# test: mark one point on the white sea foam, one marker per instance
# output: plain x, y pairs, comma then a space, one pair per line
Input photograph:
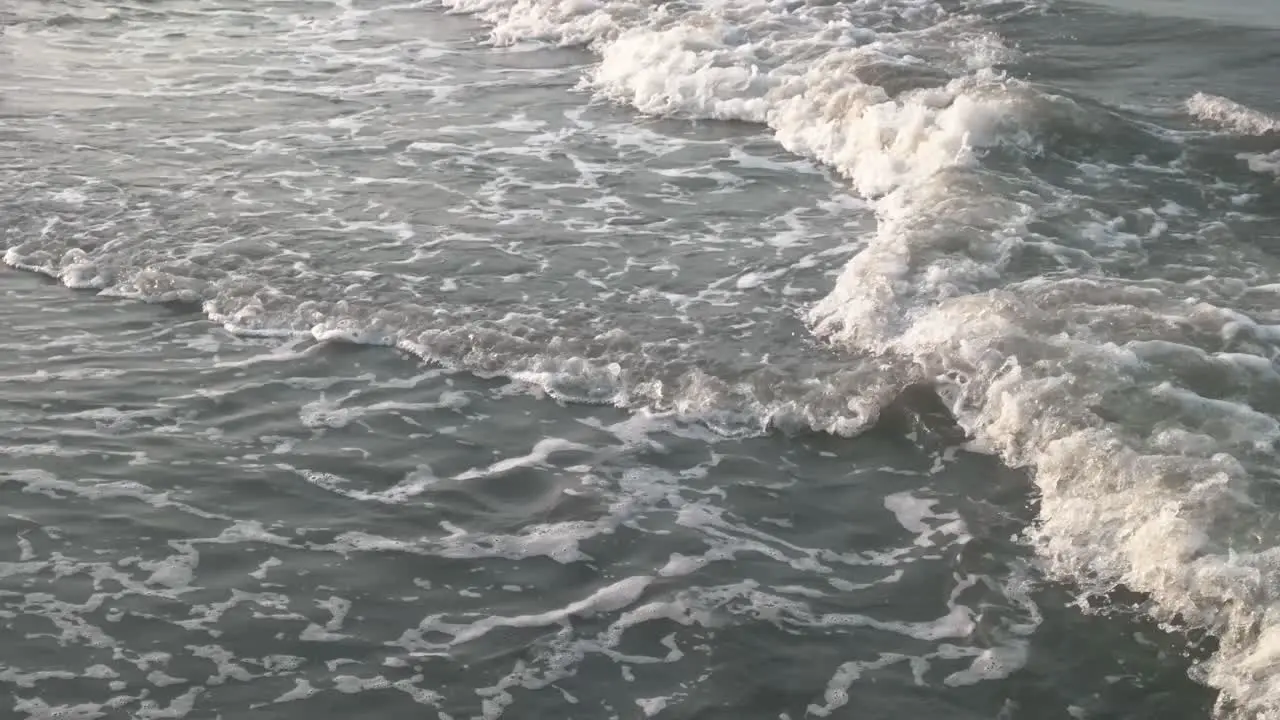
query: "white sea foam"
1264, 162
1144, 478
1231, 115
1023, 363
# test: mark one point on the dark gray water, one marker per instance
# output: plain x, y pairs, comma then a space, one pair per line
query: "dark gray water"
704, 360
202, 524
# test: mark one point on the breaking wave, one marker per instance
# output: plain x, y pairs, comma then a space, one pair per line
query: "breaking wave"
1120, 349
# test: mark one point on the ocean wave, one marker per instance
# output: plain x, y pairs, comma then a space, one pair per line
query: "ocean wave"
1144, 481
1138, 393
1231, 115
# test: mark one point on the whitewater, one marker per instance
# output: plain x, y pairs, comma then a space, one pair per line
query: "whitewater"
1151, 492
1083, 273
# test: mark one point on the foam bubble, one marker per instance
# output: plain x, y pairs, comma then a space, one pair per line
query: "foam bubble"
1264, 162
1023, 365
1231, 115
1144, 473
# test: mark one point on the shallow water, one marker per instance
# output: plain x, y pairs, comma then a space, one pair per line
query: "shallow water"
752, 359
204, 524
